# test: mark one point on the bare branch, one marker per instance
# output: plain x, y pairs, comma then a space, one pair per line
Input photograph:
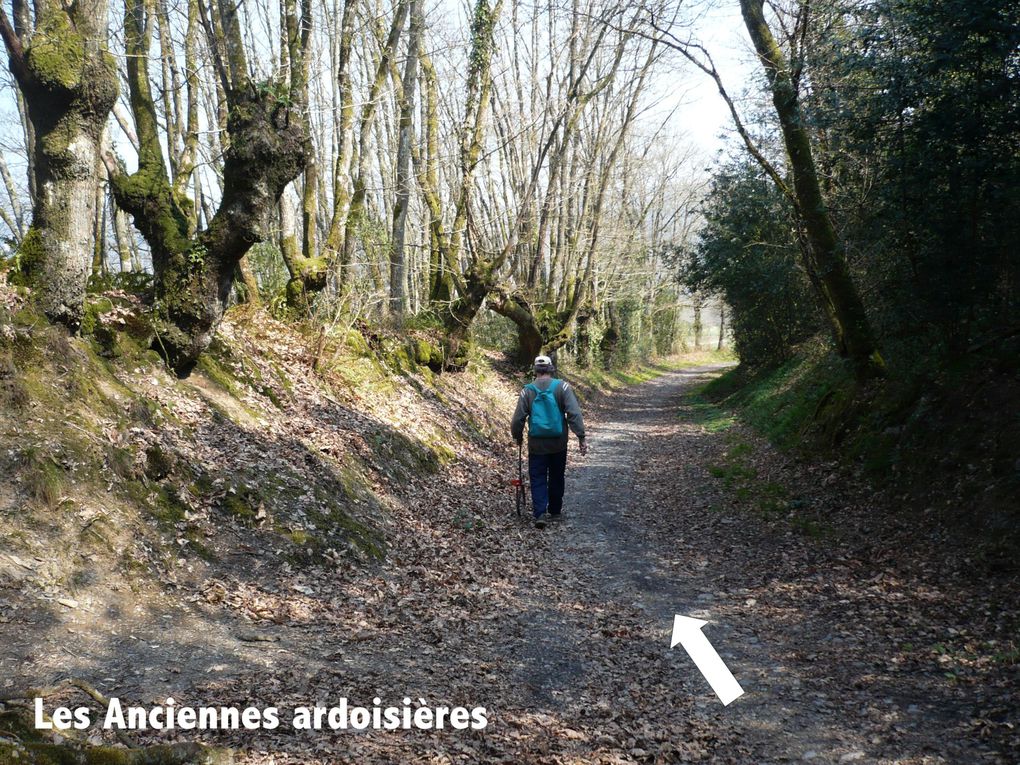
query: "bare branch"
691, 50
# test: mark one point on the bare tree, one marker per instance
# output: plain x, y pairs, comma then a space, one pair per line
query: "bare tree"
398, 263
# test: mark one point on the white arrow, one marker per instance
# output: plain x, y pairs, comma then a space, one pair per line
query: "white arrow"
687, 632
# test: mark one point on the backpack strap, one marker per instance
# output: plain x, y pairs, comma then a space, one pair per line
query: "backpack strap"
556, 388
561, 399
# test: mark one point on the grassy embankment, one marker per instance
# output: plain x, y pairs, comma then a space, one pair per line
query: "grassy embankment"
943, 446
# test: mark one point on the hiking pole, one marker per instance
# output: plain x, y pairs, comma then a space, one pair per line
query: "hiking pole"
519, 481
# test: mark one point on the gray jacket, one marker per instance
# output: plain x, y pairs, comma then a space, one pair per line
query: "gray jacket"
567, 402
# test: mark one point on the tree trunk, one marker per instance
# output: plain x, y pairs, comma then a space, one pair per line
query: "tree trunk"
611, 337
266, 153
440, 270
122, 236
17, 222
194, 273
308, 269
69, 84
307, 273
356, 209
479, 278
515, 307
582, 353
310, 207
398, 267
722, 325
698, 326
99, 231
853, 331
478, 281
249, 284
345, 132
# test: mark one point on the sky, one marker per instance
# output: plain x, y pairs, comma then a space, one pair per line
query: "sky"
703, 117
722, 32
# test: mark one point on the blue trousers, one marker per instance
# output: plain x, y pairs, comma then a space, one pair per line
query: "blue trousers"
546, 472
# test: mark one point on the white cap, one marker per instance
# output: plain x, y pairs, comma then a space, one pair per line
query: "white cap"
543, 364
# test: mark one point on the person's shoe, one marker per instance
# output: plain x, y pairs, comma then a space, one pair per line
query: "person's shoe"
555, 517
540, 521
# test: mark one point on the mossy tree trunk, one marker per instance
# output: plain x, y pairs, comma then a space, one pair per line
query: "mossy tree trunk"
306, 277
68, 81
480, 276
248, 287
307, 268
441, 286
299, 82
195, 270
514, 306
611, 336
458, 315
844, 307
583, 337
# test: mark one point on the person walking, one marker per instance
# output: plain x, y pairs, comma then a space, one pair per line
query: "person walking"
549, 406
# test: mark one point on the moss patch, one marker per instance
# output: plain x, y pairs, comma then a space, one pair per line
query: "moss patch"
242, 502
28, 261
713, 419
215, 371
770, 499
43, 479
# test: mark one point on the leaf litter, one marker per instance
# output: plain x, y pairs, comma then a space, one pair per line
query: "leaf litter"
852, 647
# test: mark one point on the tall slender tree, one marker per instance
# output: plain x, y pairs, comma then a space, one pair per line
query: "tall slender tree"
843, 304
398, 258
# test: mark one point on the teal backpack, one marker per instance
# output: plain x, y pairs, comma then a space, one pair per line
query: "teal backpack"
546, 418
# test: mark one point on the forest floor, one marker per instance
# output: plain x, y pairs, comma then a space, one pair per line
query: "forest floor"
852, 639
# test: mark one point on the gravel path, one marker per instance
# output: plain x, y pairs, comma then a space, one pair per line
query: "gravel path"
826, 643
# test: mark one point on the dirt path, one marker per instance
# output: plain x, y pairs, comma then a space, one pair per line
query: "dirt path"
850, 646
830, 652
